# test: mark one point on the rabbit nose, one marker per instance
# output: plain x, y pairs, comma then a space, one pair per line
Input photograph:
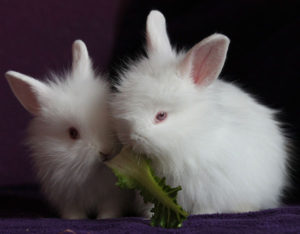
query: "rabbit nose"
105, 156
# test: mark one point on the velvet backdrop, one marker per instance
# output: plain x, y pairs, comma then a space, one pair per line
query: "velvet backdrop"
37, 35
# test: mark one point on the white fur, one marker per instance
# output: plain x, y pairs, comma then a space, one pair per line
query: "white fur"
71, 172
225, 149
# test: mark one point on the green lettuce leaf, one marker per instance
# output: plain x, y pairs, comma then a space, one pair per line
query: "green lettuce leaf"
134, 171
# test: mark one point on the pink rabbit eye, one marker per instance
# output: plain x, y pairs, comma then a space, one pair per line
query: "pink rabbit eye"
160, 116
73, 132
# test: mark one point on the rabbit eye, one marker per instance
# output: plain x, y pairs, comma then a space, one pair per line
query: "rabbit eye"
73, 132
160, 116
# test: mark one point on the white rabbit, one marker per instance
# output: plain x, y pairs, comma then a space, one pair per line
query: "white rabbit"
225, 149
70, 135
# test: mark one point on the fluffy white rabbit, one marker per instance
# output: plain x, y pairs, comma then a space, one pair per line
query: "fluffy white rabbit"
225, 149
70, 136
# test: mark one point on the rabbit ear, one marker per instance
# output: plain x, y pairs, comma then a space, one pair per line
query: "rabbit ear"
205, 60
27, 90
81, 63
156, 34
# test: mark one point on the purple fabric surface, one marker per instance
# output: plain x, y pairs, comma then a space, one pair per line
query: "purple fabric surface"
284, 220
23, 210
36, 36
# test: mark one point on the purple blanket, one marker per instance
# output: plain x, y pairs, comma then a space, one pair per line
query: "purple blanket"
284, 220
23, 210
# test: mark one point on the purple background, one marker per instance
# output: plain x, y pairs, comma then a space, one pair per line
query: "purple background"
36, 36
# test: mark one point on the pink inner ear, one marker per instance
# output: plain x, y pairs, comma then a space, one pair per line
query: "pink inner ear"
25, 95
205, 60
203, 66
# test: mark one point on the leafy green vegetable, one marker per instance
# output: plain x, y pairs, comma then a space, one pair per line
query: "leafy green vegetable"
134, 172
